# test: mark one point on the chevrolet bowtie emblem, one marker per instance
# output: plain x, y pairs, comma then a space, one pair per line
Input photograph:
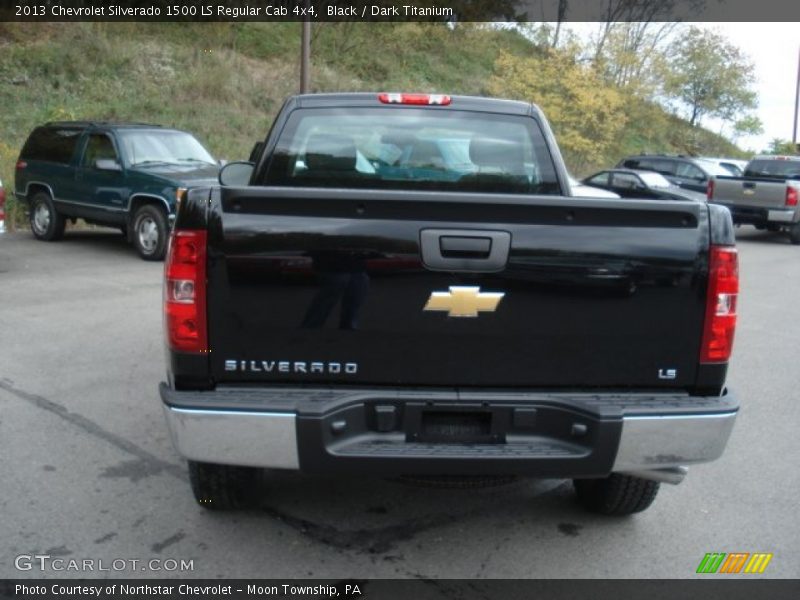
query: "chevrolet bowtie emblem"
464, 301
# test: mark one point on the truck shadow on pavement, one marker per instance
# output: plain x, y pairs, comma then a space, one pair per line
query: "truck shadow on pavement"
373, 516
752, 235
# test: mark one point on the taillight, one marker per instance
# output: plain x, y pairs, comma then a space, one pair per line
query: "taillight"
185, 292
21, 164
710, 189
791, 196
419, 99
723, 290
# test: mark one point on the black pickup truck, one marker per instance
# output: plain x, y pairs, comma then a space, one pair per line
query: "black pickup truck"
401, 285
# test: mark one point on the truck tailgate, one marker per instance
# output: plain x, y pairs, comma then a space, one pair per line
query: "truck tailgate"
331, 286
762, 193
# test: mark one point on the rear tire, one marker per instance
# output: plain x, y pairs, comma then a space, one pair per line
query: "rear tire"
46, 223
616, 494
150, 232
222, 487
794, 234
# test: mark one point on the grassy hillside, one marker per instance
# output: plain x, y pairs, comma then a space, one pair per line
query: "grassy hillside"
226, 81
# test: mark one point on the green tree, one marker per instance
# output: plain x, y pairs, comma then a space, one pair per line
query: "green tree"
747, 125
779, 146
587, 116
710, 76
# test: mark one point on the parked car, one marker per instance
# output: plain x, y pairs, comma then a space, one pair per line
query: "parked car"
2, 207
684, 171
735, 166
767, 196
125, 175
512, 329
579, 190
629, 183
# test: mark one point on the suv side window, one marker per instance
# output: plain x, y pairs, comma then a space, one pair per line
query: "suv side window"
98, 147
51, 144
689, 171
659, 165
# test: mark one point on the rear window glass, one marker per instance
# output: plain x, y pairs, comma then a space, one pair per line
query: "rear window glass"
778, 169
51, 144
408, 148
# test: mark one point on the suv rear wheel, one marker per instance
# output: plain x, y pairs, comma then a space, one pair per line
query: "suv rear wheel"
221, 487
150, 232
46, 223
616, 494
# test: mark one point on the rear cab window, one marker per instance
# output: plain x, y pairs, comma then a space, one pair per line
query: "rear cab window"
51, 144
413, 148
776, 169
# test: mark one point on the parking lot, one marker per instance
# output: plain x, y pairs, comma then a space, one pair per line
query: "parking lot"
89, 472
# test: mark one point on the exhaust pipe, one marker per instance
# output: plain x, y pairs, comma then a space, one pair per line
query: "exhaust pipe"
672, 475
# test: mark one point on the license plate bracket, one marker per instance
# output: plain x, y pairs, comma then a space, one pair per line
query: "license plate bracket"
448, 426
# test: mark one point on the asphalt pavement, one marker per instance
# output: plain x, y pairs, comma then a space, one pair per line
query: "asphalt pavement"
88, 471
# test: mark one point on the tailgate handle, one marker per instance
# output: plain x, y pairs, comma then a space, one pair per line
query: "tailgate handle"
464, 250
748, 185
465, 247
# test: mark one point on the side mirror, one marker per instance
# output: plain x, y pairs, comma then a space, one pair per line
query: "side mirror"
107, 164
236, 173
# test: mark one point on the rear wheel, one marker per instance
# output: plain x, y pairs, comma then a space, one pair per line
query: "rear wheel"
150, 232
222, 487
616, 494
46, 223
794, 234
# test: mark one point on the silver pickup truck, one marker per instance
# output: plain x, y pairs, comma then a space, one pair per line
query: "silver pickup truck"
767, 195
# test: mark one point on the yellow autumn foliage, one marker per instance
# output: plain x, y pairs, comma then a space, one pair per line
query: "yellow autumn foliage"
587, 116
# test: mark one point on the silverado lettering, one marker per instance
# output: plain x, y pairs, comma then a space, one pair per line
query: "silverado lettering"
268, 366
493, 323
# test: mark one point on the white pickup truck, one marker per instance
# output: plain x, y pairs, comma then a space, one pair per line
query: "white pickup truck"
766, 197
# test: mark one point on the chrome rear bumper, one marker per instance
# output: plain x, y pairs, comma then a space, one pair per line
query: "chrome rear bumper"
248, 439
650, 445
671, 441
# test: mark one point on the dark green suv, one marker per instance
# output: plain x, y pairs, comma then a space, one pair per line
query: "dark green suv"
124, 175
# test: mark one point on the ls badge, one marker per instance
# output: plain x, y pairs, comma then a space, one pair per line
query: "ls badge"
464, 301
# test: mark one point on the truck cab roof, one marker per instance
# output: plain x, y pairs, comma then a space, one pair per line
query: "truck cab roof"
471, 103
